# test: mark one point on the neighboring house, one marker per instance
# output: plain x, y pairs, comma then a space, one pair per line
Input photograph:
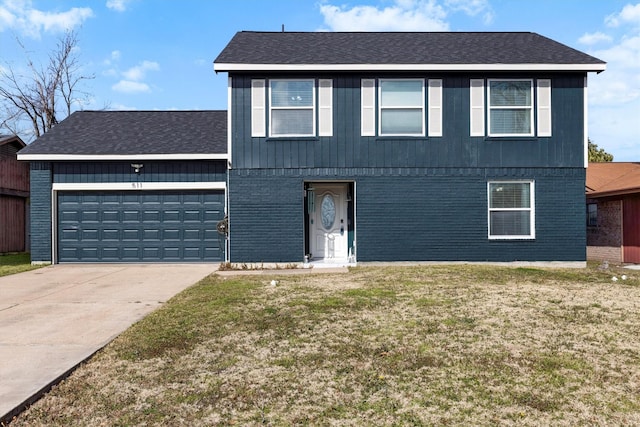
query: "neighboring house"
129, 186
613, 212
14, 196
406, 147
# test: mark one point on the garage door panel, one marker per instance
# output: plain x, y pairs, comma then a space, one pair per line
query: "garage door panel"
192, 235
131, 216
90, 234
110, 254
111, 216
131, 235
110, 235
155, 226
170, 235
151, 235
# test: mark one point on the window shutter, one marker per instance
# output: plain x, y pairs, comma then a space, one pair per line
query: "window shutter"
325, 107
368, 115
477, 107
258, 110
435, 107
544, 107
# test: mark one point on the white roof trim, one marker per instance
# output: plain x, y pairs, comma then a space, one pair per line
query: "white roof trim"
127, 157
122, 186
409, 67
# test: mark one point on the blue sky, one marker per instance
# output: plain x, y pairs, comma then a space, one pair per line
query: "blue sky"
158, 54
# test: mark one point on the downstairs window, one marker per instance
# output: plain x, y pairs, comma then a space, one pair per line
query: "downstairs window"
511, 210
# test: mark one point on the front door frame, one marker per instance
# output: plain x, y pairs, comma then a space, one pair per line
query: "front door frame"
350, 226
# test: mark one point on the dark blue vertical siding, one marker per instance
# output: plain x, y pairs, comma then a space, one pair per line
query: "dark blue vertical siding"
152, 171
454, 149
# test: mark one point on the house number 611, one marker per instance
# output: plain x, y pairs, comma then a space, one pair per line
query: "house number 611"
136, 185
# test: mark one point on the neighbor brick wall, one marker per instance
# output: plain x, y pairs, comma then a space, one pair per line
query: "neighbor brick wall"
604, 242
612, 254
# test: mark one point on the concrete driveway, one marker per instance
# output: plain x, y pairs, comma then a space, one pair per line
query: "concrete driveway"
54, 318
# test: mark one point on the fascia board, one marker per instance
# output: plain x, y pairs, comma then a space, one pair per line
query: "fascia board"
409, 67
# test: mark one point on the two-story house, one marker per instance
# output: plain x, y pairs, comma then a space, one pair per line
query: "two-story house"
405, 147
335, 148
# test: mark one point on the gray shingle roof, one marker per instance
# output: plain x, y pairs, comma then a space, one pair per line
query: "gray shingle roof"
446, 48
135, 133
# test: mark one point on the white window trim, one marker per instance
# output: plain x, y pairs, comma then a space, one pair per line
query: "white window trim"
530, 108
397, 107
312, 108
531, 209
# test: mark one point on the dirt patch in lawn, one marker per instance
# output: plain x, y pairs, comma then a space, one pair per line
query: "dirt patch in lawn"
431, 345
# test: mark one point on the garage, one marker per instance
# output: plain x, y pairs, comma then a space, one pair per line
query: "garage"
139, 226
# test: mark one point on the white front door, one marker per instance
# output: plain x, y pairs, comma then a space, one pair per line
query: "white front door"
328, 223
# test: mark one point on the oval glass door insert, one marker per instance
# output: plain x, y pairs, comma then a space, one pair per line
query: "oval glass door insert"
328, 211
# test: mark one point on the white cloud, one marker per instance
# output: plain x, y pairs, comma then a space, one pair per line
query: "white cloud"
629, 14
402, 15
614, 96
594, 38
620, 83
139, 71
131, 81
128, 86
118, 5
20, 15
472, 8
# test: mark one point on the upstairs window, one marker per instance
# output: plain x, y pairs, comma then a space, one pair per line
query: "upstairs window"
402, 107
510, 107
511, 210
292, 108
398, 107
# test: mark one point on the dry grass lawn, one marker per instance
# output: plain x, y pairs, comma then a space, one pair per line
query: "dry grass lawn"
428, 345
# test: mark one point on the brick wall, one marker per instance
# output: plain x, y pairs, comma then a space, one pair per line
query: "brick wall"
612, 254
408, 215
40, 212
604, 241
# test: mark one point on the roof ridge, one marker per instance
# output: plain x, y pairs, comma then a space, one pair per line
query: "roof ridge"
390, 32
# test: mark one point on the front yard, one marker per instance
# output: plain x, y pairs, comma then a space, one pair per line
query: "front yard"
431, 345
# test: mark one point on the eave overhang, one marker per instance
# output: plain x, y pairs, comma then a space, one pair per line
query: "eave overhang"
225, 67
613, 193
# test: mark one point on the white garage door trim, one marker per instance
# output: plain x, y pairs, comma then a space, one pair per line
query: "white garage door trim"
139, 186
80, 186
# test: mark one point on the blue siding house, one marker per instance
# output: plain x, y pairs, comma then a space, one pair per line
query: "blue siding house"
336, 148
359, 147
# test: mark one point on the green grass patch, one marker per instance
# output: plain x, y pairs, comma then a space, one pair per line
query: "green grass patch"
16, 263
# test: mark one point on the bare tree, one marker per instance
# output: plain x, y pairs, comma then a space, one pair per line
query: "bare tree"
34, 96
